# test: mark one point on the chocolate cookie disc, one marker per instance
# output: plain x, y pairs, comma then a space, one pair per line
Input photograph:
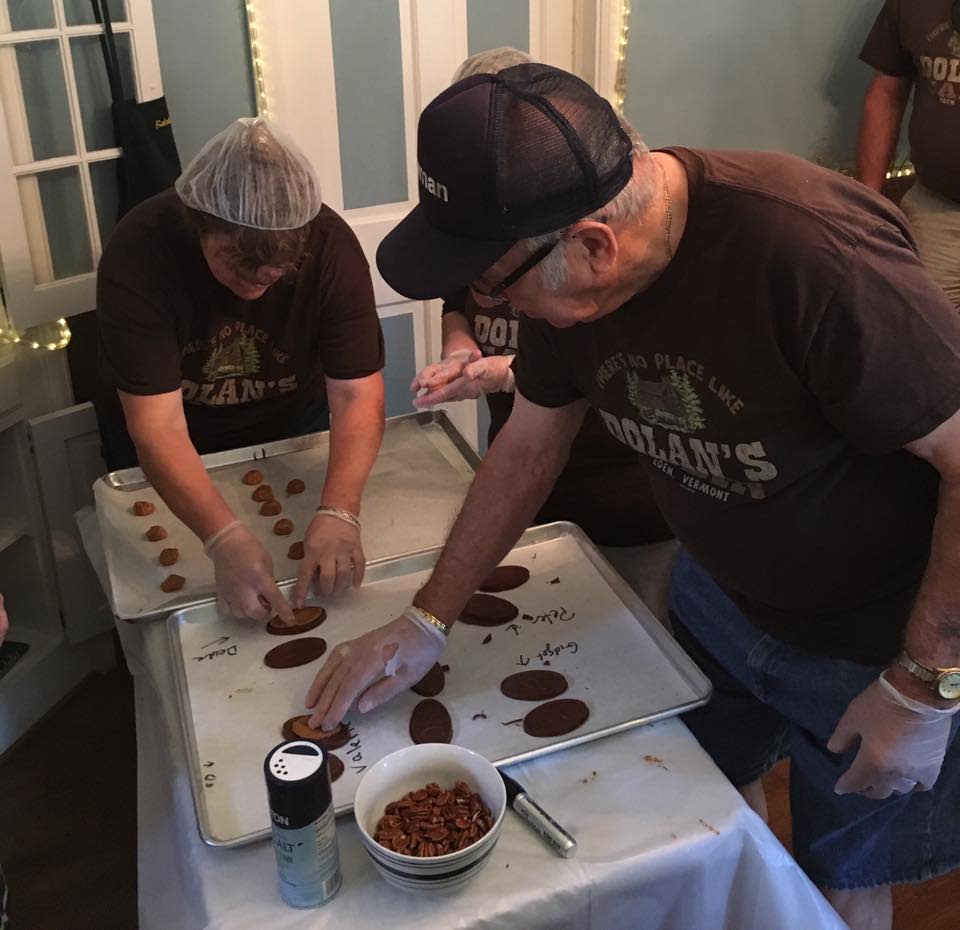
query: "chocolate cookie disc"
505, 578
334, 767
172, 583
430, 723
432, 683
283, 527
304, 619
169, 557
296, 486
156, 533
487, 610
295, 551
252, 477
270, 508
298, 728
534, 685
555, 718
263, 493
295, 653
142, 508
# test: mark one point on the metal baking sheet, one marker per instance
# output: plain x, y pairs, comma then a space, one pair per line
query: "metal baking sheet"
578, 617
415, 490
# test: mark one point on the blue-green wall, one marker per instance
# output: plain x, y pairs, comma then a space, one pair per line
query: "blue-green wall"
205, 64
776, 75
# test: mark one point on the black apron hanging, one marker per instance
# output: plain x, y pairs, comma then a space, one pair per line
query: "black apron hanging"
149, 163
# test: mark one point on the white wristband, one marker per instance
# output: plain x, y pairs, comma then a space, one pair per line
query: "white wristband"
418, 616
211, 542
918, 707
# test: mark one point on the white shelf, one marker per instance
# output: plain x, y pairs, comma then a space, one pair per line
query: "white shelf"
10, 531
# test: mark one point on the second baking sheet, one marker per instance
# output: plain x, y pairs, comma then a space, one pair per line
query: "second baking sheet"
577, 617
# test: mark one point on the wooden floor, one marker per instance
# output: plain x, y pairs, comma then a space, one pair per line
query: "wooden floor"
68, 822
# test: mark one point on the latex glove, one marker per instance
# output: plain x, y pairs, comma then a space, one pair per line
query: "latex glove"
4, 621
443, 372
244, 573
480, 376
373, 667
902, 742
333, 558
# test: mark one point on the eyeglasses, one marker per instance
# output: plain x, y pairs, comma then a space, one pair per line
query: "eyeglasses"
496, 293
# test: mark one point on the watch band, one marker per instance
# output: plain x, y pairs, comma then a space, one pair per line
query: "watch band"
927, 675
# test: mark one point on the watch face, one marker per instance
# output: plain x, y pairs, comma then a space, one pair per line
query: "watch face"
948, 686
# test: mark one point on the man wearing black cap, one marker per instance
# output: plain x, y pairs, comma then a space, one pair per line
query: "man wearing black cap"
761, 332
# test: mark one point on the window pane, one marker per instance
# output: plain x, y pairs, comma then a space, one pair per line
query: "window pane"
55, 216
93, 89
366, 54
38, 116
80, 12
492, 23
31, 14
106, 195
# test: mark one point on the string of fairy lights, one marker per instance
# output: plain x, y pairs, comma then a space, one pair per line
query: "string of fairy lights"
256, 59
620, 77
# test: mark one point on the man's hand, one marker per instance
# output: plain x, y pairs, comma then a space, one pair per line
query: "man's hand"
4, 621
244, 573
375, 667
902, 742
448, 369
478, 377
333, 558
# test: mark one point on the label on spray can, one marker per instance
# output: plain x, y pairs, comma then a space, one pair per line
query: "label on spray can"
303, 824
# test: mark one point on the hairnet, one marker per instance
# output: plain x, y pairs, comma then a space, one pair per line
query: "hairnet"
491, 61
252, 174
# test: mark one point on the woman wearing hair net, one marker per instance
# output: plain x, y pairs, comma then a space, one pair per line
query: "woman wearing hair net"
237, 309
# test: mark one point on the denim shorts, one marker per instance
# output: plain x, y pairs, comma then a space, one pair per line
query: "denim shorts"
773, 701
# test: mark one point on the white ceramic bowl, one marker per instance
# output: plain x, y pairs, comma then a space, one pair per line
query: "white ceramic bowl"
411, 769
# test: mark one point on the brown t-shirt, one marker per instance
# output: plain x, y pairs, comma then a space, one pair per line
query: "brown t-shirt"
770, 378
250, 370
603, 488
915, 38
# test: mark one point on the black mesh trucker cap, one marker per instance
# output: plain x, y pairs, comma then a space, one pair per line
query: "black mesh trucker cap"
502, 157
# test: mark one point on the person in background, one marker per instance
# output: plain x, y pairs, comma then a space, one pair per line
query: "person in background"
603, 488
235, 310
914, 45
763, 333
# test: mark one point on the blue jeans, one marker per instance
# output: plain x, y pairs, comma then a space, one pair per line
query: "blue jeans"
773, 701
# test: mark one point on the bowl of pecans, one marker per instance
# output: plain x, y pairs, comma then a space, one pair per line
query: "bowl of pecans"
430, 815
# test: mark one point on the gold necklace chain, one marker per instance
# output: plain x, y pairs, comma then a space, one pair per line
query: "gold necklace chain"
666, 199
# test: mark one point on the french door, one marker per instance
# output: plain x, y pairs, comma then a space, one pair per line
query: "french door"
348, 79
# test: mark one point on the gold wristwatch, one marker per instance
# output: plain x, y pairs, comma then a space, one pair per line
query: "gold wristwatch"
944, 682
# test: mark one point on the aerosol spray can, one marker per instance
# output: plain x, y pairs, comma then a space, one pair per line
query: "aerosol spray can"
301, 816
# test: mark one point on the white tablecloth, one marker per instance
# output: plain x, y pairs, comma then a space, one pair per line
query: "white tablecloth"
665, 843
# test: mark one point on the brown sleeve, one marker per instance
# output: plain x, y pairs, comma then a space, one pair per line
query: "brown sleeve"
884, 362
138, 351
351, 341
542, 375
883, 49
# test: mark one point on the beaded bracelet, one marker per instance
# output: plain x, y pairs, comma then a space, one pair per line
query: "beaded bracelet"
340, 514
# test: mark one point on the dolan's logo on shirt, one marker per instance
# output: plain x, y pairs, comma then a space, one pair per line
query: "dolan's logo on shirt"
231, 358
670, 402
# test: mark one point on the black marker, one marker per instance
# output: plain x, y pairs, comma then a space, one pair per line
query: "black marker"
538, 818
